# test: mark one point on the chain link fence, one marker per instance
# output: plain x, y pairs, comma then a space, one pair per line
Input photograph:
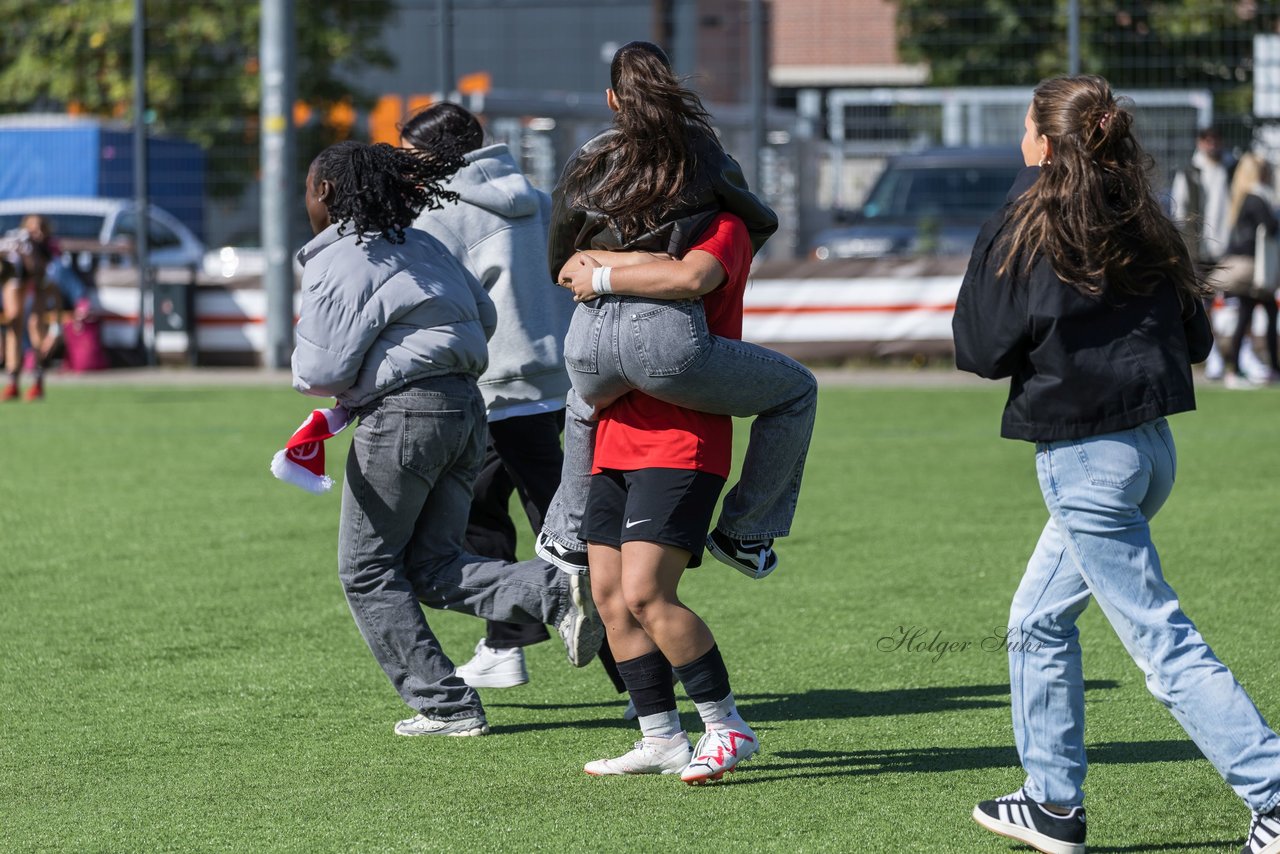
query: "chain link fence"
852, 83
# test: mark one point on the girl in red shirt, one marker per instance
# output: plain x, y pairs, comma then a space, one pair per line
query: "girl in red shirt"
656, 480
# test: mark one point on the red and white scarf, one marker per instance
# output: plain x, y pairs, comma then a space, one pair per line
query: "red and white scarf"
302, 460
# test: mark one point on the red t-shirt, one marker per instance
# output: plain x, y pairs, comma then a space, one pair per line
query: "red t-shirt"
639, 432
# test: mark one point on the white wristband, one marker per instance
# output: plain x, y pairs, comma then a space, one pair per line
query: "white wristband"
600, 280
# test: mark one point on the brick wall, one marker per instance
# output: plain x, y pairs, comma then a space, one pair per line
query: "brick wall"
834, 32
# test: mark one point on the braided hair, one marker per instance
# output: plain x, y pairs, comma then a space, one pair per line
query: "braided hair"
380, 190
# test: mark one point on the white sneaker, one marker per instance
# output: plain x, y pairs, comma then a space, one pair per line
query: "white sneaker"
1254, 369
649, 756
1237, 382
718, 752
1214, 365
427, 725
494, 668
580, 627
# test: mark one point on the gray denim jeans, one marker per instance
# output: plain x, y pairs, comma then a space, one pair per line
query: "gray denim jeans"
664, 349
405, 500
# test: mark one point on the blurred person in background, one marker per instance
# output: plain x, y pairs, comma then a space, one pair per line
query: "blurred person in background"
1201, 190
1083, 292
498, 229
1252, 206
30, 307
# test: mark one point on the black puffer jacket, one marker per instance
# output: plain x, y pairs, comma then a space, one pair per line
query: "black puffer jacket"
721, 187
1080, 366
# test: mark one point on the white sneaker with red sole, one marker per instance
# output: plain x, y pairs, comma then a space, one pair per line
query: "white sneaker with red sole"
719, 752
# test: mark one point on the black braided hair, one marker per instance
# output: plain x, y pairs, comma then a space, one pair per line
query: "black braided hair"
380, 190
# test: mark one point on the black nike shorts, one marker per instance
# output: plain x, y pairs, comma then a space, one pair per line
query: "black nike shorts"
672, 507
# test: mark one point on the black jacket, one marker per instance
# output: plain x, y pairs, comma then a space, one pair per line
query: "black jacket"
1254, 211
1080, 366
721, 187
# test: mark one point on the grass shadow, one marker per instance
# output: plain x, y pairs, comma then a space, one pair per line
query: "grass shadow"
810, 764
836, 703
840, 703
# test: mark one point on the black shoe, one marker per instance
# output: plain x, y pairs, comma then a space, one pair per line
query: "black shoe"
573, 562
1018, 817
1264, 834
753, 558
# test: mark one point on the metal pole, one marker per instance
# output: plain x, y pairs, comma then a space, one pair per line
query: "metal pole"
445, 47
278, 195
1073, 37
757, 93
140, 244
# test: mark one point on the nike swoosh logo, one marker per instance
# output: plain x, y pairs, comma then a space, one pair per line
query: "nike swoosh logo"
637, 522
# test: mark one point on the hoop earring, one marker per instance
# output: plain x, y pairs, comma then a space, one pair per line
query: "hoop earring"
1044, 161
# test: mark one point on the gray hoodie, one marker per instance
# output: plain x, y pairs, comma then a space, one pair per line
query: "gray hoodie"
499, 231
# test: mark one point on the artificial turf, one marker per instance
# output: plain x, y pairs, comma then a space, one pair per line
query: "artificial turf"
179, 672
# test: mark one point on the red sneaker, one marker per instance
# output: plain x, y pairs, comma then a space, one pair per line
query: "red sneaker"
10, 392
36, 392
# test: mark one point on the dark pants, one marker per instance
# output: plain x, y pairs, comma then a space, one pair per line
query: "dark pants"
523, 455
1244, 322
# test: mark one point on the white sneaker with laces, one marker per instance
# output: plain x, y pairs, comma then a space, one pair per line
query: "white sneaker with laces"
720, 751
494, 668
649, 756
427, 725
580, 627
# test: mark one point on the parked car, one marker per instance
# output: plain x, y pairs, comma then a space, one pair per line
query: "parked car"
110, 221
926, 203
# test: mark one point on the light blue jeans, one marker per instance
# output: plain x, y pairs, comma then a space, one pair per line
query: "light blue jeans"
1101, 493
664, 349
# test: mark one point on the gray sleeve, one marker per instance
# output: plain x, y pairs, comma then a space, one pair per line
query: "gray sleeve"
332, 340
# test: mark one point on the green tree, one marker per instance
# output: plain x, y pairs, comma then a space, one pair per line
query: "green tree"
202, 66
1198, 44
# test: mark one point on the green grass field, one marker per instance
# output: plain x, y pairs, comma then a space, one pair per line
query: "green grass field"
179, 671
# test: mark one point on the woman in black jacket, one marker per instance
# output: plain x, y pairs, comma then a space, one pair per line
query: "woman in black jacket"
1081, 291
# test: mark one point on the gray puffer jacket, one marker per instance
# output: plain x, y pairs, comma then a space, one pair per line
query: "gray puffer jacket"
499, 229
377, 315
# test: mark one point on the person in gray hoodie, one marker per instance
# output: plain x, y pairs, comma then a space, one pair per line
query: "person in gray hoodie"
395, 328
498, 230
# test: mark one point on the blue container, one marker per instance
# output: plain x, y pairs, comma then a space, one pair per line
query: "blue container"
65, 156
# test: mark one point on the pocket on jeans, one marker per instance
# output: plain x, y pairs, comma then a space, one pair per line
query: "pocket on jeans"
670, 338
432, 439
582, 342
1110, 462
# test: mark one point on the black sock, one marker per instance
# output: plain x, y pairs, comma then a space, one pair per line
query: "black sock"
648, 680
705, 679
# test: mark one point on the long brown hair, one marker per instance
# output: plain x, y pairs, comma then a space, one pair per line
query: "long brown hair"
1091, 213
1251, 170
641, 171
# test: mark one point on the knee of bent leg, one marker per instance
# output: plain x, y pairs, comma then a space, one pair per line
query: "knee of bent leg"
643, 601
